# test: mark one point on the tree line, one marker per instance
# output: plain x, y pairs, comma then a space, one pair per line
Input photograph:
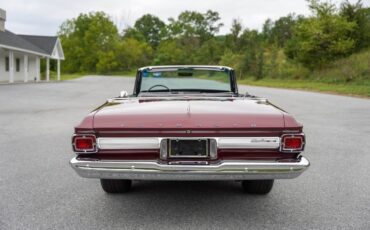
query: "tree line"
291, 45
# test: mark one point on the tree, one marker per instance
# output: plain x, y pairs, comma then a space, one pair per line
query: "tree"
319, 39
361, 16
321, 9
282, 30
251, 44
152, 29
107, 62
267, 30
131, 54
236, 28
232, 40
260, 64
195, 24
210, 52
86, 39
170, 52
233, 60
131, 32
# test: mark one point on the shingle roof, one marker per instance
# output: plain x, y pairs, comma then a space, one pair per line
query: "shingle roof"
7, 38
46, 43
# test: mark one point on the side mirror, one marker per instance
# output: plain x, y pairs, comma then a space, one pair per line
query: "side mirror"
123, 93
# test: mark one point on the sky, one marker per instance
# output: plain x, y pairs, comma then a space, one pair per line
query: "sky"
43, 17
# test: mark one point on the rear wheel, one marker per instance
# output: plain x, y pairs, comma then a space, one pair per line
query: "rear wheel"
115, 186
257, 186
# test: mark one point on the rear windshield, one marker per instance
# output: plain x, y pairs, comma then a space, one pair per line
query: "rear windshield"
185, 80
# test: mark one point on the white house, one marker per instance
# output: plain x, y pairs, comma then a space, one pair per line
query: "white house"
20, 54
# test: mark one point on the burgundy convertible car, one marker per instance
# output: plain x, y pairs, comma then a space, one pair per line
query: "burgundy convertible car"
188, 123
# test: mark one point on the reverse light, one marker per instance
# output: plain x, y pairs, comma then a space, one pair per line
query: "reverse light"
84, 143
292, 143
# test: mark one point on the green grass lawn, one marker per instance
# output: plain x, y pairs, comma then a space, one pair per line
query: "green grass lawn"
71, 76
63, 76
351, 89
131, 73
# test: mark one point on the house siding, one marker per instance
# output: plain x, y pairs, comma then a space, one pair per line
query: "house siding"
18, 75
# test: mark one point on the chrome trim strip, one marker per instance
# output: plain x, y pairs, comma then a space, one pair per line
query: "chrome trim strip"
140, 132
225, 170
231, 131
177, 67
221, 142
129, 143
248, 142
192, 131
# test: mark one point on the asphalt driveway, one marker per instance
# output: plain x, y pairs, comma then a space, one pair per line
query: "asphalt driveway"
39, 190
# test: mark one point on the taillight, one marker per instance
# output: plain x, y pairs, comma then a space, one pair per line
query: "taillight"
292, 143
84, 143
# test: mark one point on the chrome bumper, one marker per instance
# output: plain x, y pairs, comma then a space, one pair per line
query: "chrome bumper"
225, 170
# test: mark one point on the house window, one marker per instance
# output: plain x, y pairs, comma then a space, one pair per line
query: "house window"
7, 64
17, 64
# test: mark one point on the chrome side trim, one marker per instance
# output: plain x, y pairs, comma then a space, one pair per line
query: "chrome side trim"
225, 170
184, 132
221, 142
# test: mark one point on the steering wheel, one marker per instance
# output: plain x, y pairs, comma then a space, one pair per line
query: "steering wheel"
159, 86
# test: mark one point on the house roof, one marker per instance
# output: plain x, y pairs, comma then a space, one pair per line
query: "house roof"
11, 40
46, 43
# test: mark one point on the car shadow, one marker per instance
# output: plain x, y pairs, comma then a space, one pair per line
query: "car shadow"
176, 203
187, 187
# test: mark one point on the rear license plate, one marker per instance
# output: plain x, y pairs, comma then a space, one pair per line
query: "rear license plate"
188, 148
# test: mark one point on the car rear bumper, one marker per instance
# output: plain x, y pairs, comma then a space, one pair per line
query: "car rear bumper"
225, 170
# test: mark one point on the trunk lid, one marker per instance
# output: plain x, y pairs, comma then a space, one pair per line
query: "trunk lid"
234, 113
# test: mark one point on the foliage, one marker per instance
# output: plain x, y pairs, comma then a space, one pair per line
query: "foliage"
148, 28
88, 40
349, 75
232, 40
195, 24
280, 31
170, 53
320, 47
361, 17
322, 38
132, 53
210, 52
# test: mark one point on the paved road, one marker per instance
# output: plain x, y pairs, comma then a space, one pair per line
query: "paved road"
39, 190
